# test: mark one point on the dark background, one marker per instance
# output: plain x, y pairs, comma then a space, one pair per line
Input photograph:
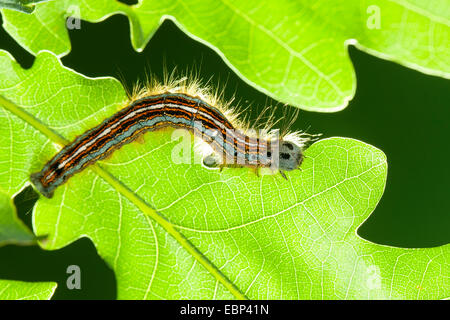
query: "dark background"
401, 111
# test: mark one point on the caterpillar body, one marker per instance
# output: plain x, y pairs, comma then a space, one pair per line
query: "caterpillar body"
178, 104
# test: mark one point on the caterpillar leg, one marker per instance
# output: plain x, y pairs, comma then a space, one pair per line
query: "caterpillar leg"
212, 161
283, 174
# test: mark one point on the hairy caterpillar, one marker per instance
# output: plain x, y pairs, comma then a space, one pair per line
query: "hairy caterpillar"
180, 104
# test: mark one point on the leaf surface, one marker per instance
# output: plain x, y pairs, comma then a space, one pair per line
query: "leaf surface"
181, 231
19, 290
294, 51
12, 230
26, 6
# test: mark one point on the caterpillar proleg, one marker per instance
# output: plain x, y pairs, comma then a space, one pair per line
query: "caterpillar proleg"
184, 104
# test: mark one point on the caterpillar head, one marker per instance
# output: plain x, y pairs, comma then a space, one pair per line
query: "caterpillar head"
290, 156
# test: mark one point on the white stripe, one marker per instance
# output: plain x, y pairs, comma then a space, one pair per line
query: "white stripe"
106, 131
157, 106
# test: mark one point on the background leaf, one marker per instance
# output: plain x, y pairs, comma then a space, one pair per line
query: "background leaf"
19, 290
296, 54
269, 237
26, 6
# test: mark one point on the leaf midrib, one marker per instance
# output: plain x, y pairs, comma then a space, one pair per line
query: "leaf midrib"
132, 197
301, 203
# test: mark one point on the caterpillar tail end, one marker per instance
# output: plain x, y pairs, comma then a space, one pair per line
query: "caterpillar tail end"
36, 181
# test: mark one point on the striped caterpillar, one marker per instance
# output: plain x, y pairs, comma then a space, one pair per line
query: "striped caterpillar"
179, 104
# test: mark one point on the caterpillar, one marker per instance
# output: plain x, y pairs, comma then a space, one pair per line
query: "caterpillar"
179, 104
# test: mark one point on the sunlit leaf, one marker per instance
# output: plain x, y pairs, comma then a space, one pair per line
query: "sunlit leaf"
294, 51
19, 290
182, 231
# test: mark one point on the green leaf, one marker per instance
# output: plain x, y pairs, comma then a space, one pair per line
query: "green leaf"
26, 6
294, 51
12, 230
46, 28
181, 231
19, 290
